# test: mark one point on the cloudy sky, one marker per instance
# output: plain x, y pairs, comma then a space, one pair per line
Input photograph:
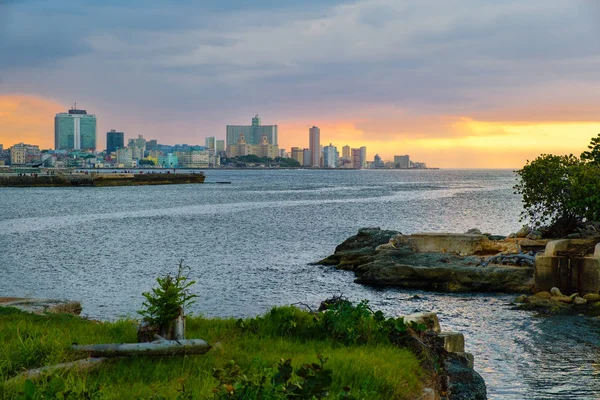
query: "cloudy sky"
454, 83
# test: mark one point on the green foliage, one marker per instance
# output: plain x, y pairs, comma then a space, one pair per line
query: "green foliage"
593, 155
561, 191
58, 388
163, 303
309, 381
341, 322
146, 161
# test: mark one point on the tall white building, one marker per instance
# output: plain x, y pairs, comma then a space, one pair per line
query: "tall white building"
363, 157
314, 145
330, 156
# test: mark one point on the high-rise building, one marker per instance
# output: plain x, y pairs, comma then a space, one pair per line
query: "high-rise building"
298, 155
114, 140
253, 134
220, 145
346, 152
355, 158
402, 161
314, 137
75, 130
152, 145
363, 157
330, 156
306, 159
139, 143
209, 142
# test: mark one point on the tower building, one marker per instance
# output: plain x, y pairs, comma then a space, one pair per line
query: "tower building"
314, 146
75, 130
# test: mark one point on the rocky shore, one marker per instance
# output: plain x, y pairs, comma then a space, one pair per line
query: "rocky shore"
442, 262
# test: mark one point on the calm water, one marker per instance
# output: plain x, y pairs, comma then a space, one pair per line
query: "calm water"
249, 244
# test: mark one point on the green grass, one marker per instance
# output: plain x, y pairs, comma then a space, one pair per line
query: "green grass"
374, 369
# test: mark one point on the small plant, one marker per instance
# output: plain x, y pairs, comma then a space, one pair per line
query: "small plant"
165, 302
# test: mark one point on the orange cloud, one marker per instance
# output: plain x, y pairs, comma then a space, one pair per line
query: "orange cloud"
27, 119
469, 143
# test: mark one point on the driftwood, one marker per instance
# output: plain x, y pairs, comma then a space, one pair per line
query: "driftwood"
160, 347
79, 365
514, 259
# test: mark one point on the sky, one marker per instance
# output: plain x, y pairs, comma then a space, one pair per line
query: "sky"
453, 83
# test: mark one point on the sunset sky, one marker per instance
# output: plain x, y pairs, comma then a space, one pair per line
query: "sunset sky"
453, 83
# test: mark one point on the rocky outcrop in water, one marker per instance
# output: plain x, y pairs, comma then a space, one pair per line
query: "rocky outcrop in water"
443, 262
444, 354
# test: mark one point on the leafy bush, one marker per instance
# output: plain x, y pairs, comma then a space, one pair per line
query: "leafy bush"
309, 381
164, 302
341, 321
561, 191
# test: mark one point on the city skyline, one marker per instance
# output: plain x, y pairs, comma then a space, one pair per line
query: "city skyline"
453, 83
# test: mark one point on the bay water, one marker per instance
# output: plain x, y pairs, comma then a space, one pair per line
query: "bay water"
249, 244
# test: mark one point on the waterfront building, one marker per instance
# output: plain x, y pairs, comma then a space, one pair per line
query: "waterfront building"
25, 154
283, 153
402, 162
152, 145
125, 158
355, 157
114, 140
378, 162
75, 130
194, 159
253, 134
241, 148
314, 137
172, 160
306, 158
220, 145
209, 142
346, 152
330, 156
139, 142
265, 149
297, 154
363, 157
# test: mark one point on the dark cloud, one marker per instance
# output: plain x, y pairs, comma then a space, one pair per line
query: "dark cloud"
215, 60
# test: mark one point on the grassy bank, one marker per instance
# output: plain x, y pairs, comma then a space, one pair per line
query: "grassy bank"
361, 349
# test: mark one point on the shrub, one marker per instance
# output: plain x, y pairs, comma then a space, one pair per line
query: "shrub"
164, 302
559, 192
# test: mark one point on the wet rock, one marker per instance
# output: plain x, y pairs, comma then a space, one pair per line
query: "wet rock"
563, 299
579, 301
543, 295
512, 236
521, 299
464, 383
555, 292
452, 342
592, 297
387, 258
429, 319
429, 394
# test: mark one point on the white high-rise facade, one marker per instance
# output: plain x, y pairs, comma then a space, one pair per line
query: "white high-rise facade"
314, 145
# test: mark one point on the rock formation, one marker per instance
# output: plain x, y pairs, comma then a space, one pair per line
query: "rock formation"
440, 261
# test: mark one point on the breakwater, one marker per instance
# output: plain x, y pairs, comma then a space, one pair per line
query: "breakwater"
98, 179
